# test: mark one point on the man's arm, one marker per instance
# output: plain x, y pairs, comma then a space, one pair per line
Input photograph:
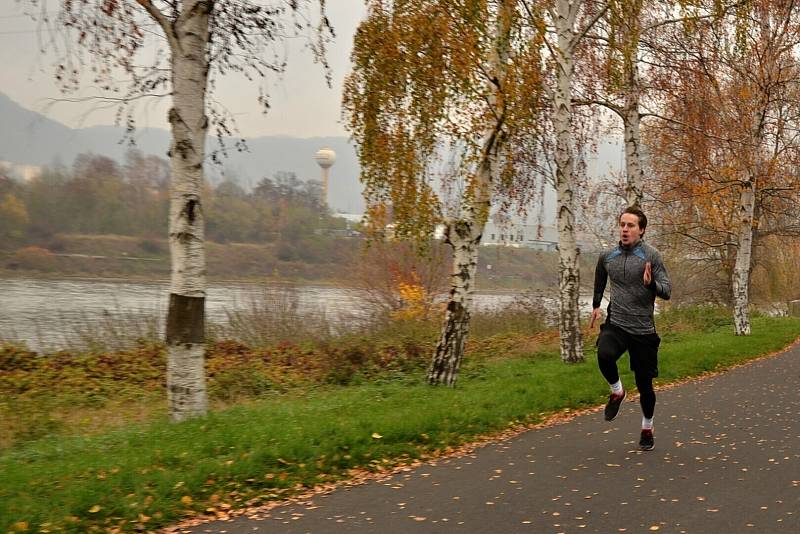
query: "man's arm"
600, 280
660, 284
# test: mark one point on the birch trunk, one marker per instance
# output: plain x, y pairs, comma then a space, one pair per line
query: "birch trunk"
744, 250
741, 270
185, 336
464, 235
631, 118
634, 169
747, 198
571, 339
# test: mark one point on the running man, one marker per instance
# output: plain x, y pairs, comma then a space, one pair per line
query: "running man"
637, 276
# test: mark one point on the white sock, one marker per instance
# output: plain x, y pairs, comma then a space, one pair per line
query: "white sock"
616, 388
647, 424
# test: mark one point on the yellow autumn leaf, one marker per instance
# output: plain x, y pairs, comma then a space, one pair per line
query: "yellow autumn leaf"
94, 509
375, 435
186, 500
21, 526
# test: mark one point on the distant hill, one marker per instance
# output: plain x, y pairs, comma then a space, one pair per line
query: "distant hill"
29, 138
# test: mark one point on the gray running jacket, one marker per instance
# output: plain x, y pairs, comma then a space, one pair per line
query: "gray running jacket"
631, 303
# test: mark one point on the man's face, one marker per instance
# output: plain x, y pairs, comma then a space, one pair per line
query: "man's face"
629, 231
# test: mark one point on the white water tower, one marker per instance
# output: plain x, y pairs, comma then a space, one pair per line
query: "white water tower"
325, 158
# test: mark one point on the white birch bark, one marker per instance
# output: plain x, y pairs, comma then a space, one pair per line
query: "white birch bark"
747, 198
746, 211
634, 169
571, 338
464, 234
631, 118
189, 39
186, 392
741, 270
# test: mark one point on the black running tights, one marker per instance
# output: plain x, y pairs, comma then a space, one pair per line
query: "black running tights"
647, 396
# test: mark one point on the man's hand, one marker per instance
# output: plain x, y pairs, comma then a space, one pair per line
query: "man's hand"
648, 273
595, 316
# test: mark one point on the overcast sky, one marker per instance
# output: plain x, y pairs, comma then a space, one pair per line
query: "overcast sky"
302, 105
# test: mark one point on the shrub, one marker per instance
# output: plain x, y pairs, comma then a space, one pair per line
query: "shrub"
152, 246
528, 314
239, 383
270, 317
13, 358
345, 358
33, 258
697, 318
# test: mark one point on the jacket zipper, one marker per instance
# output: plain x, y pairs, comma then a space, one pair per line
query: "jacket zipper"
625, 267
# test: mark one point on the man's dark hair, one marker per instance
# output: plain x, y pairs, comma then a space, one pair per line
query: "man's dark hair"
636, 210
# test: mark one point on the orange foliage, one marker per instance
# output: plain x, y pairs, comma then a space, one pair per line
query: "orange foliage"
728, 89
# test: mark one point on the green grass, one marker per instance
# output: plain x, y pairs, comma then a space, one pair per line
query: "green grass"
154, 474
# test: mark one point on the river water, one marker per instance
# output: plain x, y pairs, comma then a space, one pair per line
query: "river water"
53, 314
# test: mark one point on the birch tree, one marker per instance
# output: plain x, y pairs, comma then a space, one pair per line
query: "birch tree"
619, 77
615, 81
204, 39
565, 16
732, 116
432, 77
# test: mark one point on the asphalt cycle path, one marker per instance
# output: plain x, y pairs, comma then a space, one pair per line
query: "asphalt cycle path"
726, 460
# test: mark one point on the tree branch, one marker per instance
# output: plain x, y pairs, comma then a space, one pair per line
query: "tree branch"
693, 18
162, 20
706, 243
589, 25
605, 103
689, 126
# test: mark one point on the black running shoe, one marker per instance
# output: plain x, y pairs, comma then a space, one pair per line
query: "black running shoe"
612, 407
646, 442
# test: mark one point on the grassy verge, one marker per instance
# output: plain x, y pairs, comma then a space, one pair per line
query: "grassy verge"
151, 474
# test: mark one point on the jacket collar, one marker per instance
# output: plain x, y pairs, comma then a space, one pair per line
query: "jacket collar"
630, 248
